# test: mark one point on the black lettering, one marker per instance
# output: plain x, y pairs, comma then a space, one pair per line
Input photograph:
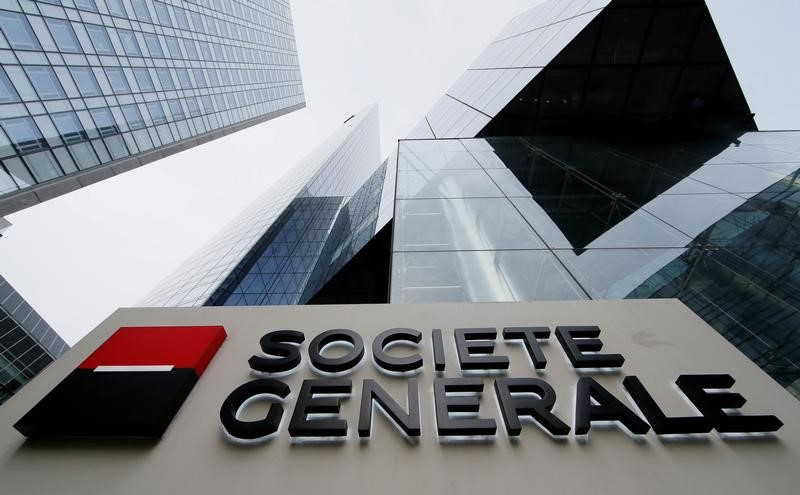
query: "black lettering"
471, 341
608, 408
438, 349
391, 363
250, 430
336, 365
713, 404
662, 424
446, 404
578, 340
529, 336
409, 422
539, 408
278, 343
308, 402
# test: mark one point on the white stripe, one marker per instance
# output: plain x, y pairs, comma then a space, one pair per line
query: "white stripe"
166, 367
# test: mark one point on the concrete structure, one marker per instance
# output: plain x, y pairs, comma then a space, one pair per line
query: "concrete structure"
659, 340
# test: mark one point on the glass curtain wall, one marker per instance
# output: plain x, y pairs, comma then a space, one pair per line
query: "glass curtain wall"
714, 222
88, 82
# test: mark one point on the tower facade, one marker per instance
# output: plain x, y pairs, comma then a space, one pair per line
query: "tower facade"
92, 88
594, 150
27, 343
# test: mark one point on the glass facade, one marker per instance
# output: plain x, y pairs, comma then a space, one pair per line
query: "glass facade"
714, 222
27, 343
291, 240
87, 83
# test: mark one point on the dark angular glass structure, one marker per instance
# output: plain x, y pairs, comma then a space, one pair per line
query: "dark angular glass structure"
93, 88
596, 149
27, 343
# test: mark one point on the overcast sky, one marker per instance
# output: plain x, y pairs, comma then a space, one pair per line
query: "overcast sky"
80, 256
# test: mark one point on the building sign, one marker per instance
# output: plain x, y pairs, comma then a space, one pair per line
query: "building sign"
131, 386
466, 398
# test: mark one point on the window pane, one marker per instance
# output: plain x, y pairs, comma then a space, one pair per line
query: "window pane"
200, 78
133, 116
143, 79
17, 31
84, 79
194, 108
86, 5
117, 79
165, 78
104, 121
63, 34
45, 82
163, 14
43, 165
177, 111
174, 47
7, 92
183, 78
100, 39
153, 46
180, 18
140, 9
24, 134
156, 112
116, 8
129, 43
69, 127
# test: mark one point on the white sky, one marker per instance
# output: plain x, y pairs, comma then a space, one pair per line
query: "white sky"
79, 257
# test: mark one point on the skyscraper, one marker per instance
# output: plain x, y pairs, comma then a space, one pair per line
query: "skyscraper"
92, 88
292, 239
595, 150
27, 343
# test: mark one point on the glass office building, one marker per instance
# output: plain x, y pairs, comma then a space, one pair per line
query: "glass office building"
596, 149
92, 88
27, 343
291, 240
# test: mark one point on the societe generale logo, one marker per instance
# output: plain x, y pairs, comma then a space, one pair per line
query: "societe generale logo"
130, 386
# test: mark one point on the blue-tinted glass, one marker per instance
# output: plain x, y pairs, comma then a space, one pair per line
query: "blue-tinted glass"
205, 50
163, 14
197, 20
208, 104
180, 18
199, 78
45, 81
100, 39
183, 78
140, 9
174, 47
177, 111
194, 108
191, 50
153, 46
7, 92
133, 116
85, 80
17, 31
63, 35
117, 79
220, 102
116, 8
69, 127
165, 78
104, 121
156, 112
24, 134
129, 43
86, 5
142, 76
